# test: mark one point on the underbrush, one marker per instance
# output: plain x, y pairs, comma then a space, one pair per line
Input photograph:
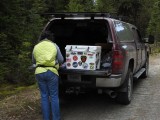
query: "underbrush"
155, 50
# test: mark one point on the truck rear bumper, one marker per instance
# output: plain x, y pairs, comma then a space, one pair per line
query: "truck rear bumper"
93, 81
111, 81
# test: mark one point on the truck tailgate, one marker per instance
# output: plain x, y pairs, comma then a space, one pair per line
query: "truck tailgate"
85, 72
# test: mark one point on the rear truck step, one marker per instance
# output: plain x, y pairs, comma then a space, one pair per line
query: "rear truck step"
139, 73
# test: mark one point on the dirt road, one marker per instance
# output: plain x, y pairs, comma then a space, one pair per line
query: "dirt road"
144, 106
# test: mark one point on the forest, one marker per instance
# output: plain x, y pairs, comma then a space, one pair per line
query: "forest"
21, 23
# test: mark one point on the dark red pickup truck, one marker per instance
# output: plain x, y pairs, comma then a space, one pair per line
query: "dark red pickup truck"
124, 52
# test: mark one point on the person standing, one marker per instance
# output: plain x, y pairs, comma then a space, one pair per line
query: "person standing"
47, 57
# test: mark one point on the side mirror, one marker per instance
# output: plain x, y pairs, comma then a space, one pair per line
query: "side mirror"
151, 39
145, 40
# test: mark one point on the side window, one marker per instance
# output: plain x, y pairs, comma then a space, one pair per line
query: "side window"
123, 31
137, 35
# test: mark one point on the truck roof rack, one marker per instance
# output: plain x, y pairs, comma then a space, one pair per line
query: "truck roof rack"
81, 14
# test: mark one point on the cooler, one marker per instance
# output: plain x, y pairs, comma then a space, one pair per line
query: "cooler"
83, 57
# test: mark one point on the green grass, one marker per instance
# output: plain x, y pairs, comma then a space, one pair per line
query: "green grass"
10, 89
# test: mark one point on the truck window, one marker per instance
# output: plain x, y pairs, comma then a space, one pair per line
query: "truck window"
84, 32
137, 35
123, 31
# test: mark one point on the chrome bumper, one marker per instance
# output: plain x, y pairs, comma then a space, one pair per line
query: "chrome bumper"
111, 81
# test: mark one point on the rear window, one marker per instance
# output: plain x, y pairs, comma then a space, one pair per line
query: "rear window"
123, 31
83, 31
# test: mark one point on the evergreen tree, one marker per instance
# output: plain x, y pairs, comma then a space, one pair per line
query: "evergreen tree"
89, 5
56, 5
136, 12
154, 24
75, 6
80, 6
20, 26
131, 9
106, 6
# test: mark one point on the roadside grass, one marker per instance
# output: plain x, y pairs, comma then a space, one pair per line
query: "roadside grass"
155, 50
20, 103
10, 89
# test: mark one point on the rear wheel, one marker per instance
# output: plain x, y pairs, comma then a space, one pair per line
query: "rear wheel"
125, 97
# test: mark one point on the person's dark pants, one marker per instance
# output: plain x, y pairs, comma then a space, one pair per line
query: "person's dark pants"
48, 85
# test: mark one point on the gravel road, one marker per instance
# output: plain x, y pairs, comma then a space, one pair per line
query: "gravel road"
145, 104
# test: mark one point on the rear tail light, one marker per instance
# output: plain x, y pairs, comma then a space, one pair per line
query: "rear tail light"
117, 63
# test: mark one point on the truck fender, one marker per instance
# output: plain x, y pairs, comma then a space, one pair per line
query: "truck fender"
131, 66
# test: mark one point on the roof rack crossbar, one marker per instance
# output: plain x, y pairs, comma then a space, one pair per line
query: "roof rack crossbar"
80, 14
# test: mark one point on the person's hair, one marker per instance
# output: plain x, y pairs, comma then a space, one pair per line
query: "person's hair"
48, 35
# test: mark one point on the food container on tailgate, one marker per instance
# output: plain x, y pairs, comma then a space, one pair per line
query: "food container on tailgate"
83, 57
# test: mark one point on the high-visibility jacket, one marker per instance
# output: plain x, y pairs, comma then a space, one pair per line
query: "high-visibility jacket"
45, 54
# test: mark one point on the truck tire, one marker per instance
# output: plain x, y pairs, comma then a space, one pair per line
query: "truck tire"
125, 97
146, 66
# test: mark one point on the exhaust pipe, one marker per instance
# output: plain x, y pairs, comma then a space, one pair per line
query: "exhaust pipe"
111, 93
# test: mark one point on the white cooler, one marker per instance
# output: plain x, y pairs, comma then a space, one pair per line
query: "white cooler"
83, 57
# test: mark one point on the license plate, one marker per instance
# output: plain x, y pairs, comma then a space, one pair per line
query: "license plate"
74, 78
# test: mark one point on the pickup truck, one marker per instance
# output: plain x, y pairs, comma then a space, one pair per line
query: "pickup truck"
123, 48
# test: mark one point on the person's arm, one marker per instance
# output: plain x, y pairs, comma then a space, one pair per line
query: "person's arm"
34, 63
59, 57
33, 59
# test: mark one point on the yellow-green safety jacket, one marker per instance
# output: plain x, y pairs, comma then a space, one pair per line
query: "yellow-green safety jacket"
45, 55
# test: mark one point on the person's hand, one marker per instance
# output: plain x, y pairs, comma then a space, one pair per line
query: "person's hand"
33, 66
62, 65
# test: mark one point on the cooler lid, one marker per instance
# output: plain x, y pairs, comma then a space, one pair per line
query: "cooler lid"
82, 48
